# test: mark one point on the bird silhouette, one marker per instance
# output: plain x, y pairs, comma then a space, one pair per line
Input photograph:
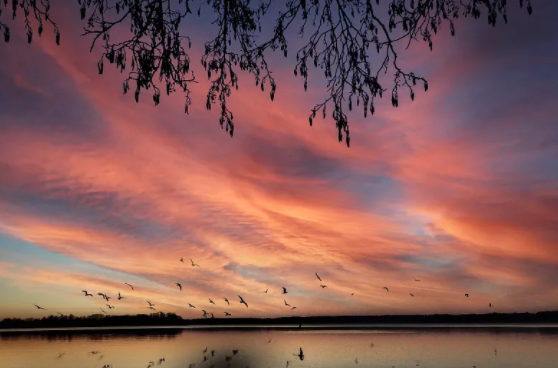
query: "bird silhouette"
205, 351
266, 291
490, 305
182, 260
212, 316
243, 302
107, 298
352, 294
129, 285
319, 278
211, 301
86, 293
227, 300
61, 315
386, 289
193, 264
293, 308
204, 312
411, 294
39, 307
103, 295
191, 306
179, 285
150, 304
110, 306
323, 286
151, 308
416, 279
284, 290
287, 304
301, 354
467, 295
120, 297
227, 314
235, 351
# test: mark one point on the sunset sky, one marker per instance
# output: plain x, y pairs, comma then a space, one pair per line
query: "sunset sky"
458, 188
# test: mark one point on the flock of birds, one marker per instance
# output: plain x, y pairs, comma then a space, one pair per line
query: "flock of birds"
205, 313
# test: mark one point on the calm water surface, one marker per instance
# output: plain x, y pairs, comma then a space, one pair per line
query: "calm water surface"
401, 347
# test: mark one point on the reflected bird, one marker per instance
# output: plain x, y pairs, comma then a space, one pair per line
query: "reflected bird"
227, 300
86, 293
39, 307
120, 297
211, 301
284, 290
191, 306
243, 302
287, 304
235, 351
129, 285
324, 286
301, 354
386, 289
179, 285
227, 314
194, 264
318, 277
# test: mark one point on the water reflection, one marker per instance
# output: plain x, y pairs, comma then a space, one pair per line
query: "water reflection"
195, 348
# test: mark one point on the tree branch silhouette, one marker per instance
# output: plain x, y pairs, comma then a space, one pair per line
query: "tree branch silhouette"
342, 37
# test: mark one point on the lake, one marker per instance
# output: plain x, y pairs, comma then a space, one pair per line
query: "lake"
444, 347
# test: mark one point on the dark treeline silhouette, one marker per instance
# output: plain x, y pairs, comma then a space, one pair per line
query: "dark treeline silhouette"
171, 319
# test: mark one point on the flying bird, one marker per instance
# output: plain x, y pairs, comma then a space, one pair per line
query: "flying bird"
129, 285
416, 279
266, 291
86, 293
352, 293
212, 316
243, 302
323, 286
293, 308
227, 300
182, 260
411, 294
119, 296
179, 285
193, 264
227, 314
150, 304
191, 306
318, 277
284, 290
287, 304
39, 307
211, 301
386, 289
204, 312
103, 295
467, 295
110, 306
490, 305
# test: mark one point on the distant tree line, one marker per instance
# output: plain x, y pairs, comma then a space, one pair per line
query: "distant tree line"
172, 319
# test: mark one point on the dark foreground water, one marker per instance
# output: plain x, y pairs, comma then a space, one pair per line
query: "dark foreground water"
268, 348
